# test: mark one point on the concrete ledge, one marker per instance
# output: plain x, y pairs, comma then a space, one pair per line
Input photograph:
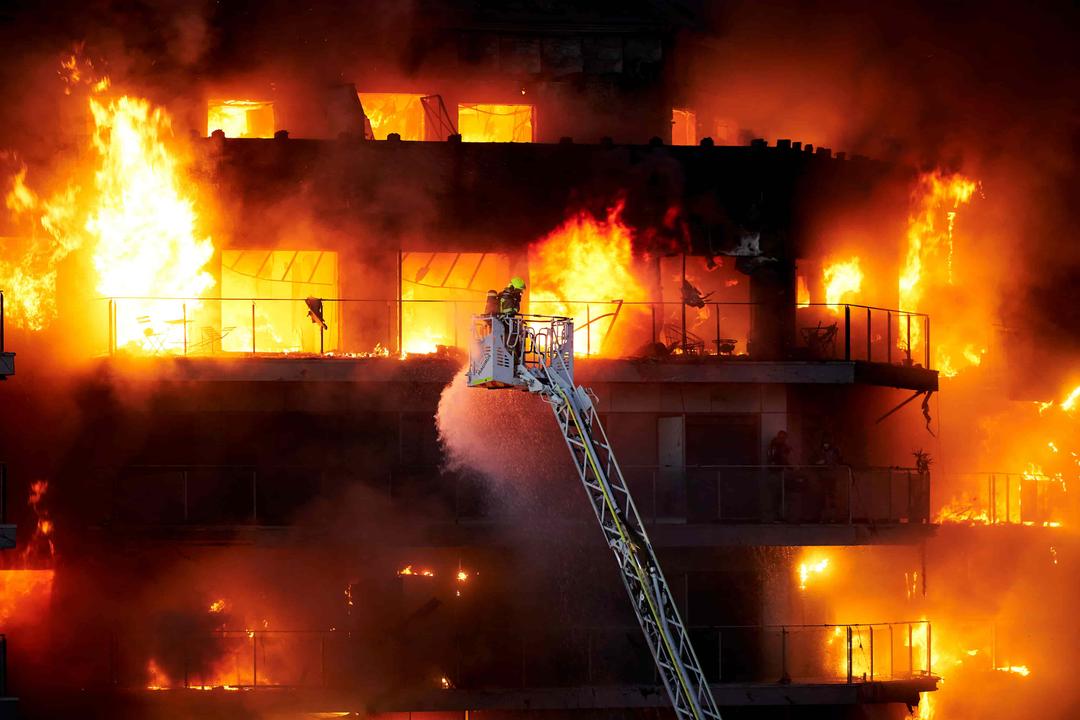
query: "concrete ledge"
488, 532
442, 368
196, 703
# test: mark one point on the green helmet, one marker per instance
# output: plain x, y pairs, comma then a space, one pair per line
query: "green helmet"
517, 282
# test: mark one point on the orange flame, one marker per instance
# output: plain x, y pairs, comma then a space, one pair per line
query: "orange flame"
1021, 670
408, 570
585, 260
1069, 404
28, 272
936, 198
802, 292
811, 568
843, 277
144, 224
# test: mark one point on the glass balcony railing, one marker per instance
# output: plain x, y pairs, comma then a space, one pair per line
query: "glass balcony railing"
228, 495
571, 657
372, 327
989, 498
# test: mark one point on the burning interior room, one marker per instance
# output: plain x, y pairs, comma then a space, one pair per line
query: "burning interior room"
795, 284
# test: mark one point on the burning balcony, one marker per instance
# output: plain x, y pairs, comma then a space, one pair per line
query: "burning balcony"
490, 123
1031, 498
241, 118
401, 113
882, 662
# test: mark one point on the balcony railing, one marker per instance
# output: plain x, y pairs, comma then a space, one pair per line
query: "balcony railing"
989, 498
215, 326
574, 656
227, 495
791, 494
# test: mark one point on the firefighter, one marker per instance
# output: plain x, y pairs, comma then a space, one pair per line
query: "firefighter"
510, 298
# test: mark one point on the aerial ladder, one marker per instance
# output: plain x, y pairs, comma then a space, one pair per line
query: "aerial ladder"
536, 353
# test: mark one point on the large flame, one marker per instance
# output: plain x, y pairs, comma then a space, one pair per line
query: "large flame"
28, 270
145, 225
842, 278
585, 261
935, 201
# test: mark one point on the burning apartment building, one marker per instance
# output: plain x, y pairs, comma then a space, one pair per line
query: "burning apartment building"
259, 469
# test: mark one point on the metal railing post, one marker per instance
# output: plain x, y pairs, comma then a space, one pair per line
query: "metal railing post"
847, 332
784, 677
1008, 510
849, 668
716, 309
254, 661
253, 328
871, 653
1, 321
682, 305
888, 336
868, 325
926, 343
908, 338
992, 513
929, 654
892, 653
184, 320
255, 497
588, 329
910, 651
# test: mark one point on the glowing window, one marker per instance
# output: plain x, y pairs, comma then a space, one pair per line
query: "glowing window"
277, 283
495, 123
394, 113
683, 127
241, 118
459, 282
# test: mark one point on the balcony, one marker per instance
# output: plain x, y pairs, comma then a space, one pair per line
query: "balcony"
561, 668
1029, 499
717, 342
701, 506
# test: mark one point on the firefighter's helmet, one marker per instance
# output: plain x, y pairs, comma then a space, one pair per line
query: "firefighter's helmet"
517, 283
